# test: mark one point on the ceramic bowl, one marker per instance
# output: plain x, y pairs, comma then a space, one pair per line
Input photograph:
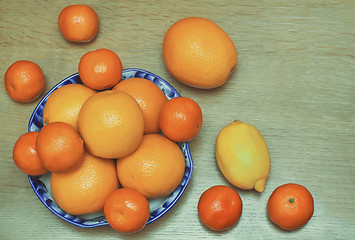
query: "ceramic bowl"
158, 207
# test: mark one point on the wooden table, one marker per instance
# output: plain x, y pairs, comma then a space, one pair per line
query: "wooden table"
295, 82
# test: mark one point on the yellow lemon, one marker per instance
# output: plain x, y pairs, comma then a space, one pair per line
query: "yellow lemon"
243, 156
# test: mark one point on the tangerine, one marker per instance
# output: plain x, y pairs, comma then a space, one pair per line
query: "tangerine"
220, 207
290, 206
25, 155
78, 23
100, 69
180, 119
24, 81
60, 147
127, 210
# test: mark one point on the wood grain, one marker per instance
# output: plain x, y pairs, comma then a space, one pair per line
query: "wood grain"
295, 82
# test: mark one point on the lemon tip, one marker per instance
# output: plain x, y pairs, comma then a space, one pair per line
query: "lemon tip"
260, 185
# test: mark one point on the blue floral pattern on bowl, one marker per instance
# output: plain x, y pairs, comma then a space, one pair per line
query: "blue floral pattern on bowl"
158, 207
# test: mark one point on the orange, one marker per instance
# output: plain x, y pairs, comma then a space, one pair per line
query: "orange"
85, 189
100, 69
180, 119
111, 124
197, 52
149, 97
25, 155
155, 169
24, 81
127, 210
220, 207
78, 23
60, 147
64, 104
290, 206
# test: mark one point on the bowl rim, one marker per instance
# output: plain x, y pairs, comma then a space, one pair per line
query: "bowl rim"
78, 220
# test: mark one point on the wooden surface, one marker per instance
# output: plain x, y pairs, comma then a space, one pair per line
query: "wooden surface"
295, 82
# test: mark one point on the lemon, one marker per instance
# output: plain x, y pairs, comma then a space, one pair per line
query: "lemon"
243, 156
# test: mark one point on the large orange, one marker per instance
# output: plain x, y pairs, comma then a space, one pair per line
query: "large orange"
127, 210
290, 206
85, 189
149, 97
111, 124
155, 169
220, 207
24, 81
60, 147
180, 119
199, 53
78, 23
64, 104
100, 69
25, 154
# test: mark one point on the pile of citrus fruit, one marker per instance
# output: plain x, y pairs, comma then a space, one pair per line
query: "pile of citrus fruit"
110, 145
106, 135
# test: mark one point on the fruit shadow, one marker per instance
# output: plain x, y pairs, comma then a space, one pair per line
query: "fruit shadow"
252, 192
169, 215
257, 195
146, 232
81, 44
218, 233
167, 218
277, 228
181, 87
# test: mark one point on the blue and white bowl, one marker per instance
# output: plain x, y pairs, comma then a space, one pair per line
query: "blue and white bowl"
158, 207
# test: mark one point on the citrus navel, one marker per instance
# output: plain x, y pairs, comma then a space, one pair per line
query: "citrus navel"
149, 97
197, 52
64, 104
111, 124
155, 169
85, 189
